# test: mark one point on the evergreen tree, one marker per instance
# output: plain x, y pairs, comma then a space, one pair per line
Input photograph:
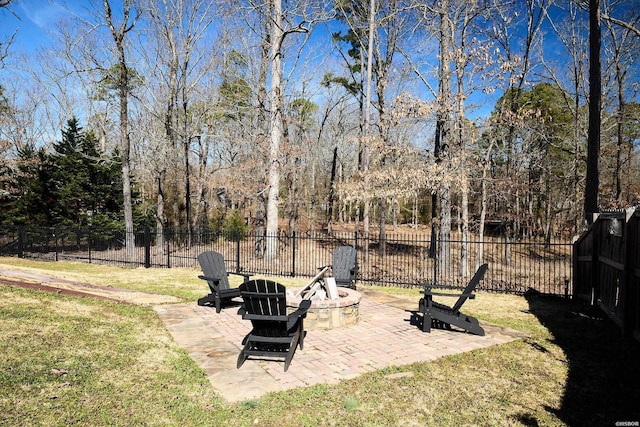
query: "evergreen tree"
33, 198
75, 185
88, 186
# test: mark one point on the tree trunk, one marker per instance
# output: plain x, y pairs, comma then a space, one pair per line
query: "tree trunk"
464, 250
276, 131
160, 220
463, 224
125, 143
483, 202
170, 124
201, 214
592, 182
444, 117
262, 126
619, 131
367, 123
332, 184
186, 149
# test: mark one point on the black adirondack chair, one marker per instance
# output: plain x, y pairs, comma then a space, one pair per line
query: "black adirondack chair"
216, 275
345, 266
439, 315
275, 335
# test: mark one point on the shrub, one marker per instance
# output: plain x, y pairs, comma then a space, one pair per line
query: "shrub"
234, 226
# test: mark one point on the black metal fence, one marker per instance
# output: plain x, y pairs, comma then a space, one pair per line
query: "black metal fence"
401, 260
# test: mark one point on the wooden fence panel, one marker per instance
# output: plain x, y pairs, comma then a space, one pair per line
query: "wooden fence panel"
607, 268
633, 277
611, 268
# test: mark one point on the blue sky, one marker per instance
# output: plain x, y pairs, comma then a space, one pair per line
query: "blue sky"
33, 19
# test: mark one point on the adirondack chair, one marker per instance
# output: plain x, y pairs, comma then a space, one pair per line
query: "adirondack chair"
275, 335
216, 275
439, 315
345, 266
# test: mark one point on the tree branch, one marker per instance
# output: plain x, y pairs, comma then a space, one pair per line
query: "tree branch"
621, 23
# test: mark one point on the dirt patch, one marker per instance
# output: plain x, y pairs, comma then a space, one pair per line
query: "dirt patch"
67, 287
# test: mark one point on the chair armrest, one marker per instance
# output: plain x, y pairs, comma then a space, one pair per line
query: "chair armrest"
443, 294
304, 305
249, 316
429, 290
211, 279
325, 266
245, 275
436, 286
302, 308
301, 312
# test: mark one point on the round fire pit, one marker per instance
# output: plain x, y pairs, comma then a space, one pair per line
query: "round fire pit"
330, 314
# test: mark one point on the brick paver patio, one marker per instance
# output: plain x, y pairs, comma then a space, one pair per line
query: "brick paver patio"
384, 336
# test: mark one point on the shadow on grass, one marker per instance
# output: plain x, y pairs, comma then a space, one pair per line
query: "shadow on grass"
603, 383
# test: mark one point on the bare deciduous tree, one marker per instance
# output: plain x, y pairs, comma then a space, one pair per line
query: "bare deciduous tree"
119, 33
622, 46
179, 62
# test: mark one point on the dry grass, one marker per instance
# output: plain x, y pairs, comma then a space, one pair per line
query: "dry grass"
123, 368
179, 282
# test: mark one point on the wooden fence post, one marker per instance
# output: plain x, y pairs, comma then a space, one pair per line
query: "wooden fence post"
629, 291
595, 264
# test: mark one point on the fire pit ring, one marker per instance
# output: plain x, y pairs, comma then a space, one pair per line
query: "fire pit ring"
330, 314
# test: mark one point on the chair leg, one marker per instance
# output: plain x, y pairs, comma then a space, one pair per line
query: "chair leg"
426, 322
302, 334
241, 358
243, 354
473, 326
292, 350
218, 303
426, 317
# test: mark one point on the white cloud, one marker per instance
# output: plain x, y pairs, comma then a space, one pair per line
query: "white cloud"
42, 13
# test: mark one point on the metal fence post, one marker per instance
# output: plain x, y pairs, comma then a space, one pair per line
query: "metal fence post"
55, 243
168, 248
293, 251
436, 257
147, 247
20, 242
238, 239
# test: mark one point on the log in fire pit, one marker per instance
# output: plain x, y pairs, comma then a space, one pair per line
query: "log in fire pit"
331, 306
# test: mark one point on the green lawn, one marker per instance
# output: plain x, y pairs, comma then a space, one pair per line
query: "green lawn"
82, 361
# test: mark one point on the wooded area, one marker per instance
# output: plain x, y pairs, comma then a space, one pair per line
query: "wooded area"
300, 115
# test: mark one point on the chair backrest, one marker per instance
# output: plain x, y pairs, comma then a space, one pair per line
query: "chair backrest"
265, 305
471, 286
212, 265
264, 298
344, 260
